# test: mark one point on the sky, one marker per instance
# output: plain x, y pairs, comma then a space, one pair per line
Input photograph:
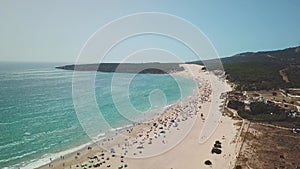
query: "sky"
57, 30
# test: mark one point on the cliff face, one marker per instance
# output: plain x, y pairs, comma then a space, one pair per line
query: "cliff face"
153, 68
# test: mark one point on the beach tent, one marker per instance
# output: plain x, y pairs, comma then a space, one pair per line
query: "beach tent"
216, 150
208, 162
217, 146
140, 147
217, 142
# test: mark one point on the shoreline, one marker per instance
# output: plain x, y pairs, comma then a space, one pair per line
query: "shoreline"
55, 157
148, 154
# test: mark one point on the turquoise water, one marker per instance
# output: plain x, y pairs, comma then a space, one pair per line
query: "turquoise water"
37, 115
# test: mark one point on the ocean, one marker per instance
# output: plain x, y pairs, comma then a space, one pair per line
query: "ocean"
37, 115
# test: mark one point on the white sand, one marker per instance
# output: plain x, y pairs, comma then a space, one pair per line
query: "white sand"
187, 145
190, 153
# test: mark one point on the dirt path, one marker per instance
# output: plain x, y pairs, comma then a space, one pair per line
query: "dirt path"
284, 77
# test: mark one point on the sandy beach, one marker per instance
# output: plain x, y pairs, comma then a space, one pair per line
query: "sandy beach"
181, 137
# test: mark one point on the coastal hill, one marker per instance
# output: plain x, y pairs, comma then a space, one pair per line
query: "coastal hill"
287, 56
267, 70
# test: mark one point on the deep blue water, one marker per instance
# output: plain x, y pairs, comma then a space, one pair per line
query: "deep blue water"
37, 115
